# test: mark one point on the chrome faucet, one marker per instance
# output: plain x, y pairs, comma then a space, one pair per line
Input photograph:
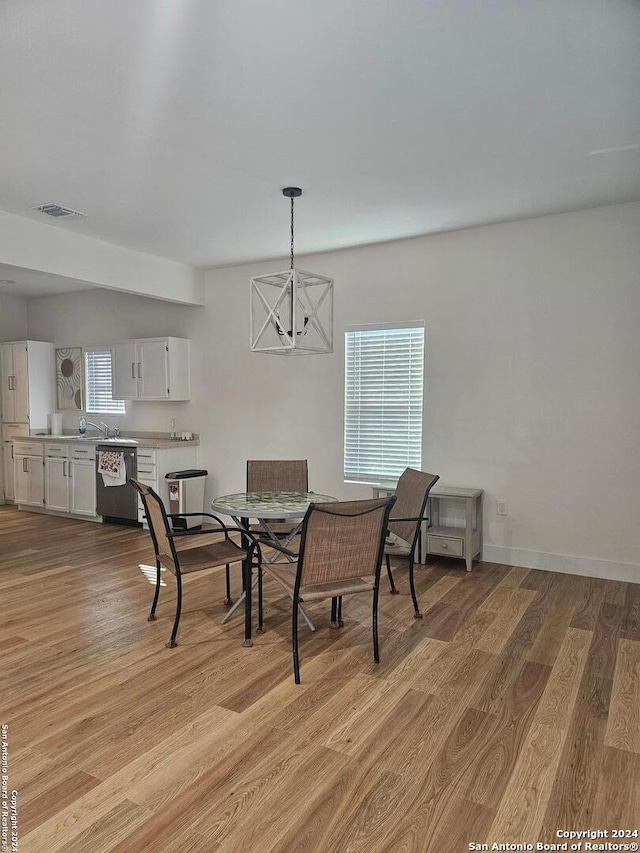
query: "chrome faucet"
103, 428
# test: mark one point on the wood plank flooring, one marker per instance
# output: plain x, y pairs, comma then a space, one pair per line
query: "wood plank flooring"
509, 712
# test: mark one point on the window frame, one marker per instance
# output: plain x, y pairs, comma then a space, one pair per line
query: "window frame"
118, 407
359, 464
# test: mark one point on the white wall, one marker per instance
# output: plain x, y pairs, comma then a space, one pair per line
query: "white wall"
531, 392
13, 318
103, 316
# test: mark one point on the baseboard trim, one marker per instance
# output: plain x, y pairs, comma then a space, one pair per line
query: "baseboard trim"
565, 563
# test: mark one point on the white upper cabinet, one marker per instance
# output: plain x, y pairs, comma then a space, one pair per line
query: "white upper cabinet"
151, 369
154, 372
28, 391
124, 371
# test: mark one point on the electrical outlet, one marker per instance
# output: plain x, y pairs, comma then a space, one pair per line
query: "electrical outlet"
172, 423
501, 508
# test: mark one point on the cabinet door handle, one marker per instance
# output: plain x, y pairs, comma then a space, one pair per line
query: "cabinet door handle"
64, 469
133, 370
139, 370
25, 465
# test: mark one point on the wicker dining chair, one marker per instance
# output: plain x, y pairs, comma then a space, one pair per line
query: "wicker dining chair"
222, 553
341, 553
277, 475
412, 493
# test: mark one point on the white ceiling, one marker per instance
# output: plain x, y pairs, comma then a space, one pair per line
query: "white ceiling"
173, 124
19, 281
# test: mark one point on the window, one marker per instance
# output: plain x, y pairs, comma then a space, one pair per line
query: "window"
98, 383
384, 369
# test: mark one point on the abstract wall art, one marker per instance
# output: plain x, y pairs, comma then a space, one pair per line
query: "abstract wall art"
69, 378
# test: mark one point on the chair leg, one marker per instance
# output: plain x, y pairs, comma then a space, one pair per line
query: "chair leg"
172, 642
394, 590
416, 608
336, 613
152, 616
260, 628
374, 621
294, 642
228, 601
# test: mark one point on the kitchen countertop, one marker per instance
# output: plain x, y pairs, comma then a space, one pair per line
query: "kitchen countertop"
157, 442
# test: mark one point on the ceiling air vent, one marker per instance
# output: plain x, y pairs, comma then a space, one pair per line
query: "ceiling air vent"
57, 211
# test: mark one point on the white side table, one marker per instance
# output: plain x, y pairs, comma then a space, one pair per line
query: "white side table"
382, 490
462, 540
465, 540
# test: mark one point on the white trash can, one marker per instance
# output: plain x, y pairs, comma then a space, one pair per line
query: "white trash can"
186, 494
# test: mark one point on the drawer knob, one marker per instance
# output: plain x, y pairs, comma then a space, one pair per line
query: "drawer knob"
445, 545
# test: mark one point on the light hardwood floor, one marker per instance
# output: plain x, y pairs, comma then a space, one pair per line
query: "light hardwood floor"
510, 711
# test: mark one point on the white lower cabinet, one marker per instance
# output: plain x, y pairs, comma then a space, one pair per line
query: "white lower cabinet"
28, 470
56, 484
7, 471
61, 476
83, 487
9, 433
70, 479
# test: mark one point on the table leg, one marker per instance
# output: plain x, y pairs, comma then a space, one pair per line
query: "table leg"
468, 535
274, 538
246, 574
246, 584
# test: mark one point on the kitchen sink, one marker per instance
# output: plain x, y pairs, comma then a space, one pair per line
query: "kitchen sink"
72, 437
96, 439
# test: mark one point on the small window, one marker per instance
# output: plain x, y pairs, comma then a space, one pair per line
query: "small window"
99, 383
384, 370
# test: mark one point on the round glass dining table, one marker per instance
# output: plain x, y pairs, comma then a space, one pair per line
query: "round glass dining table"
268, 505
265, 507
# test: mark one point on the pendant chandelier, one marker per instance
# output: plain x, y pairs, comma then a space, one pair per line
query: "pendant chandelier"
291, 313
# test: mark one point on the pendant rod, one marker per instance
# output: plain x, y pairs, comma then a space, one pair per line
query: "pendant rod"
292, 192
291, 232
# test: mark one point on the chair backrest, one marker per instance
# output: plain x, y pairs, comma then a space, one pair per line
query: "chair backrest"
343, 540
412, 492
157, 519
277, 475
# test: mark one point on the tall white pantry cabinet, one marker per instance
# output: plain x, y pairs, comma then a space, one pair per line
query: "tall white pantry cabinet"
27, 396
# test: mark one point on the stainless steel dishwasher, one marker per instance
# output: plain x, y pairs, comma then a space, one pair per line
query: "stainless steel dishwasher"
118, 503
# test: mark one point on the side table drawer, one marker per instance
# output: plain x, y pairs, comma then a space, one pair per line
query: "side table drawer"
445, 545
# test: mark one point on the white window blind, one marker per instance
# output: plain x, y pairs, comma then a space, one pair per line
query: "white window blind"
384, 370
98, 384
